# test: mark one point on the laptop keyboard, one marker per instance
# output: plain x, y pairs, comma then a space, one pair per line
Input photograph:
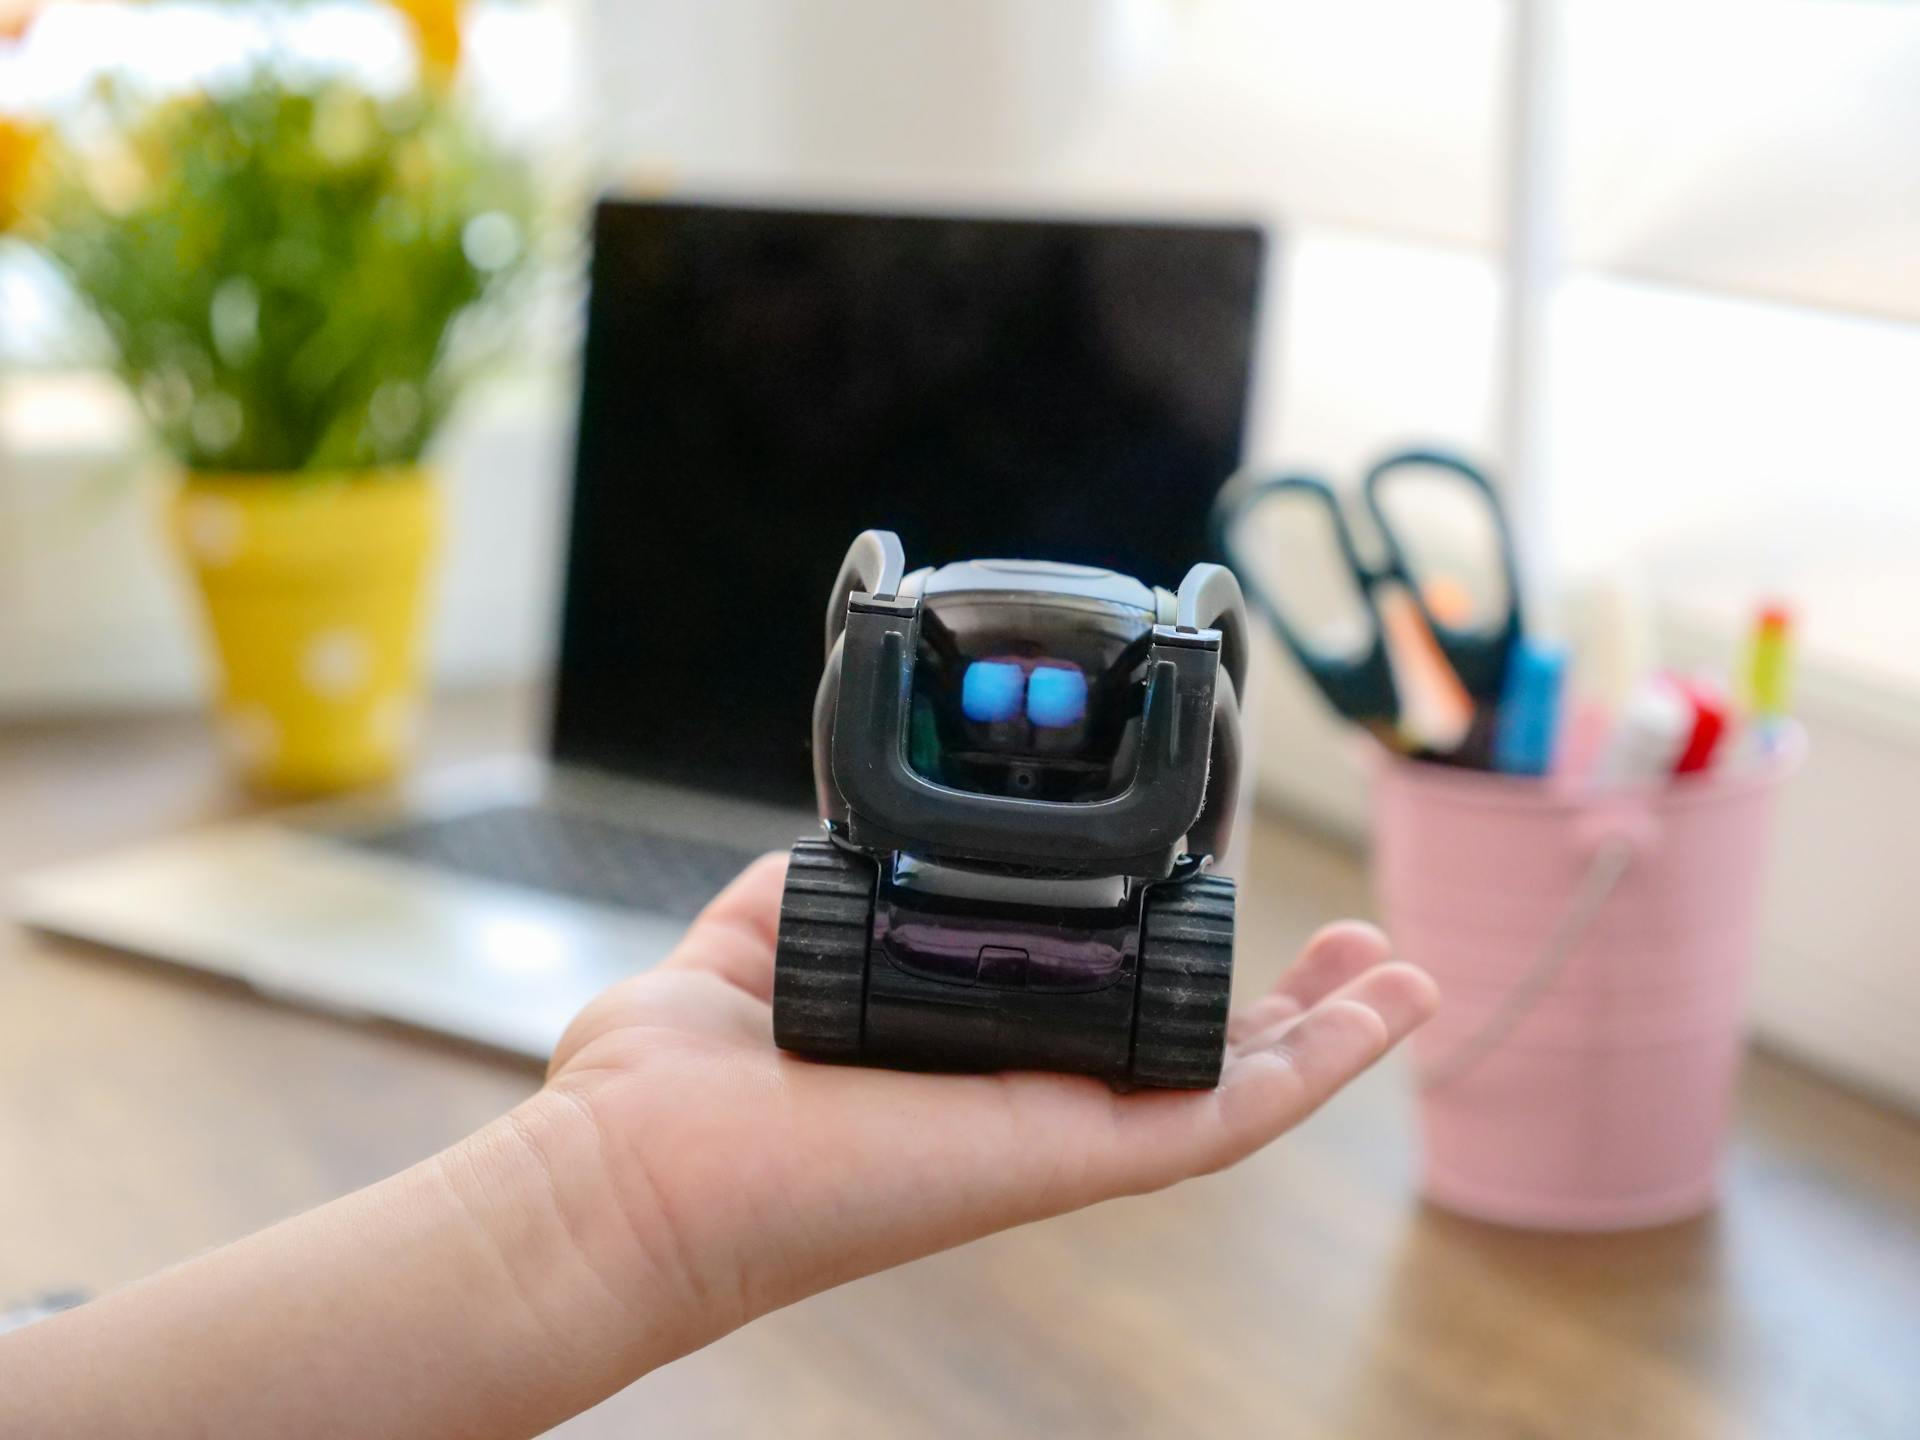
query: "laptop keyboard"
586, 857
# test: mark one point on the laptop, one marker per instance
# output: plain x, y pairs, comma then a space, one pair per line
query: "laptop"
759, 385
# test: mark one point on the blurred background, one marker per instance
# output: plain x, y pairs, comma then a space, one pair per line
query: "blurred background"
1653, 263
1724, 351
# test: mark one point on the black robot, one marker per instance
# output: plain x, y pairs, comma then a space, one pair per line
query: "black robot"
1024, 770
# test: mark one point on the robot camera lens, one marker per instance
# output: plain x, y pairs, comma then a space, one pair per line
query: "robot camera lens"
990, 691
1056, 697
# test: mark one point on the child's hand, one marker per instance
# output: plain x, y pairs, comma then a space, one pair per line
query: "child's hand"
677, 1176
738, 1178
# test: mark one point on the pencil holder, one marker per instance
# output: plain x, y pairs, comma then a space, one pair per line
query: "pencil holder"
1592, 951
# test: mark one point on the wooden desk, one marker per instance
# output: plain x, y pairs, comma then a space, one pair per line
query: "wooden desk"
146, 1114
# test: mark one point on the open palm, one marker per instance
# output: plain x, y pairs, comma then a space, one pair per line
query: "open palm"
748, 1178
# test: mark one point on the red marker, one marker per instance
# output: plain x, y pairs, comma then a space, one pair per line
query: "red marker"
1709, 724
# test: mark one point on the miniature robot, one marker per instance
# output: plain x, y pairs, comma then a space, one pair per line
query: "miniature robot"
1023, 769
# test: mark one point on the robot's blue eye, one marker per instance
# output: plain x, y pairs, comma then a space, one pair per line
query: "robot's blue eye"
991, 690
1056, 697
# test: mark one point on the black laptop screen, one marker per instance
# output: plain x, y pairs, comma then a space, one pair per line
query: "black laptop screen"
761, 385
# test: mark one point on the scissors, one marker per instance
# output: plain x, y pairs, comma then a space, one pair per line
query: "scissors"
1360, 685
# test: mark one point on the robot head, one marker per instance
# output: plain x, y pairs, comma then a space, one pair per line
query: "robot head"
1033, 695
1019, 713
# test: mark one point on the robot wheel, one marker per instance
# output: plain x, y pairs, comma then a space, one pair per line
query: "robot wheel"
1186, 980
820, 955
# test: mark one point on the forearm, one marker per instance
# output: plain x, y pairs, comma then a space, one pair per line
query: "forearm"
469, 1296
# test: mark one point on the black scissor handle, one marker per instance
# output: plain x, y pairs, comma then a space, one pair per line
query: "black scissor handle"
1478, 655
1359, 686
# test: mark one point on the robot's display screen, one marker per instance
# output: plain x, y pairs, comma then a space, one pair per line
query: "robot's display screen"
761, 385
1038, 698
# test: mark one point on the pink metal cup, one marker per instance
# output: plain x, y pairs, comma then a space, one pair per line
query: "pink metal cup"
1592, 951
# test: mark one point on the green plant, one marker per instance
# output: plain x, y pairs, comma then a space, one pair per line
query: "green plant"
292, 276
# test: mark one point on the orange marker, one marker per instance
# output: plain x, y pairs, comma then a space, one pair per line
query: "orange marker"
1448, 601
1436, 706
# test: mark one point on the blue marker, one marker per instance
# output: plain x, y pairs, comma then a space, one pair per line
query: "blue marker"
1528, 724
990, 691
1056, 697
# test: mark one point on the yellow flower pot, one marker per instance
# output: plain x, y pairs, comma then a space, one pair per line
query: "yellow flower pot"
314, 589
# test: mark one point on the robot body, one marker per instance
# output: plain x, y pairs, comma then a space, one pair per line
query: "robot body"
1023, 769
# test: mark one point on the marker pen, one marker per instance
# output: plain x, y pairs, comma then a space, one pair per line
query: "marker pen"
1649, 737
1436, 710
1769, 672
1448, 601
1707, 709
1609, 627
1528, 726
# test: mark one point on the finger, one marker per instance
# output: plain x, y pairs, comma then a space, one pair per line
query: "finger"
1396, 989
695, 1001
1334, 956
734, 936
1262, 1015
1268, 1089
630, 1016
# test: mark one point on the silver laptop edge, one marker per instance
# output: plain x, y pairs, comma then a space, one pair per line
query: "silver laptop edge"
279, 904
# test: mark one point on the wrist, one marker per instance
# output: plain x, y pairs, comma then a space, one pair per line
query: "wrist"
484, 1292
575, 1268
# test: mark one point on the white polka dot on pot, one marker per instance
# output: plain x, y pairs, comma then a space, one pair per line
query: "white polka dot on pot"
336, 663
214, 529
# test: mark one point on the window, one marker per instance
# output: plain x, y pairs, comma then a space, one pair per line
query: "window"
1735, 338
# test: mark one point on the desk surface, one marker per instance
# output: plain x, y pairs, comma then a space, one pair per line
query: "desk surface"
146, 1114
